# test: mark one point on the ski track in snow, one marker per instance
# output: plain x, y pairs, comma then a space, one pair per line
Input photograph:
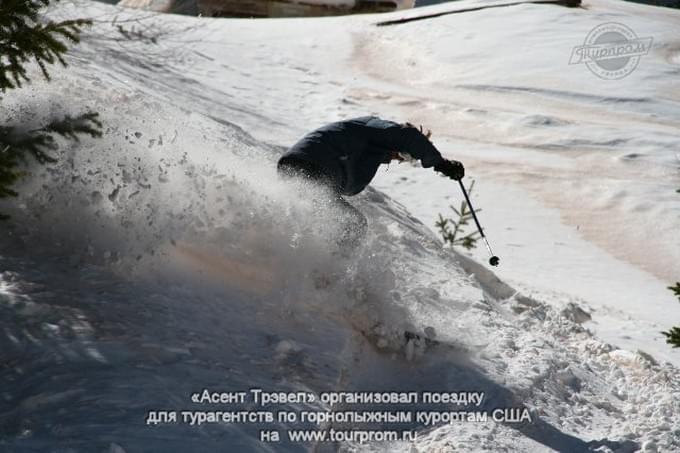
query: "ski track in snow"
104, 317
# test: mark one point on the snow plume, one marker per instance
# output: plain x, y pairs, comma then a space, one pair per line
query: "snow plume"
160, 176
172, 195
170, 241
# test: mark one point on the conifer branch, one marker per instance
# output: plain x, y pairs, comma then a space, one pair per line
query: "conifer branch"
673, 335
25, 39
450, 229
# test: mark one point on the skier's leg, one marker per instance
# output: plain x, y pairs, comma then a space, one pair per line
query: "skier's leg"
353, 225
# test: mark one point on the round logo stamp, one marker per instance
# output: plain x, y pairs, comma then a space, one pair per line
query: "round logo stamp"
611, 51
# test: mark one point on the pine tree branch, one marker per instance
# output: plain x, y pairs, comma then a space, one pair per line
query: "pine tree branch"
673, 337
17, 144
23, 39
68, 127
451, 236
676, 289
21, 143
8, 175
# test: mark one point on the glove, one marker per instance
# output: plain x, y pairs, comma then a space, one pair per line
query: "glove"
451, 169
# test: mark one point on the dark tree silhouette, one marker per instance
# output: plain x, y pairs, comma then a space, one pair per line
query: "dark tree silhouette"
26, 39
673, 335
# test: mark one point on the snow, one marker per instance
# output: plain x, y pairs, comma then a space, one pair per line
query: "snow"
166, 257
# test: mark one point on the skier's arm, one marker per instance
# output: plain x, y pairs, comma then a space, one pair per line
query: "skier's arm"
404, 139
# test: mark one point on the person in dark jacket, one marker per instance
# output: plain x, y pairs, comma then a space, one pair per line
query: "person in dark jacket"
344, 157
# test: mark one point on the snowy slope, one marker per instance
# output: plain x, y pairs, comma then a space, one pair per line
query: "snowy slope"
578, 174
166, 257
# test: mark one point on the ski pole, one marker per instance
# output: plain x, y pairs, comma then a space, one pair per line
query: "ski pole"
494, 260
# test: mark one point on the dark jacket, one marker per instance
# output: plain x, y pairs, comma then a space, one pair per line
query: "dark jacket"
350, 152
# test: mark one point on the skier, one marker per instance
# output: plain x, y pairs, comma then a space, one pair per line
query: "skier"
343, 157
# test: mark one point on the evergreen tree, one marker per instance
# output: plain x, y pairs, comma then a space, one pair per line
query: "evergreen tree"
452, 230
673, 335
26, 39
